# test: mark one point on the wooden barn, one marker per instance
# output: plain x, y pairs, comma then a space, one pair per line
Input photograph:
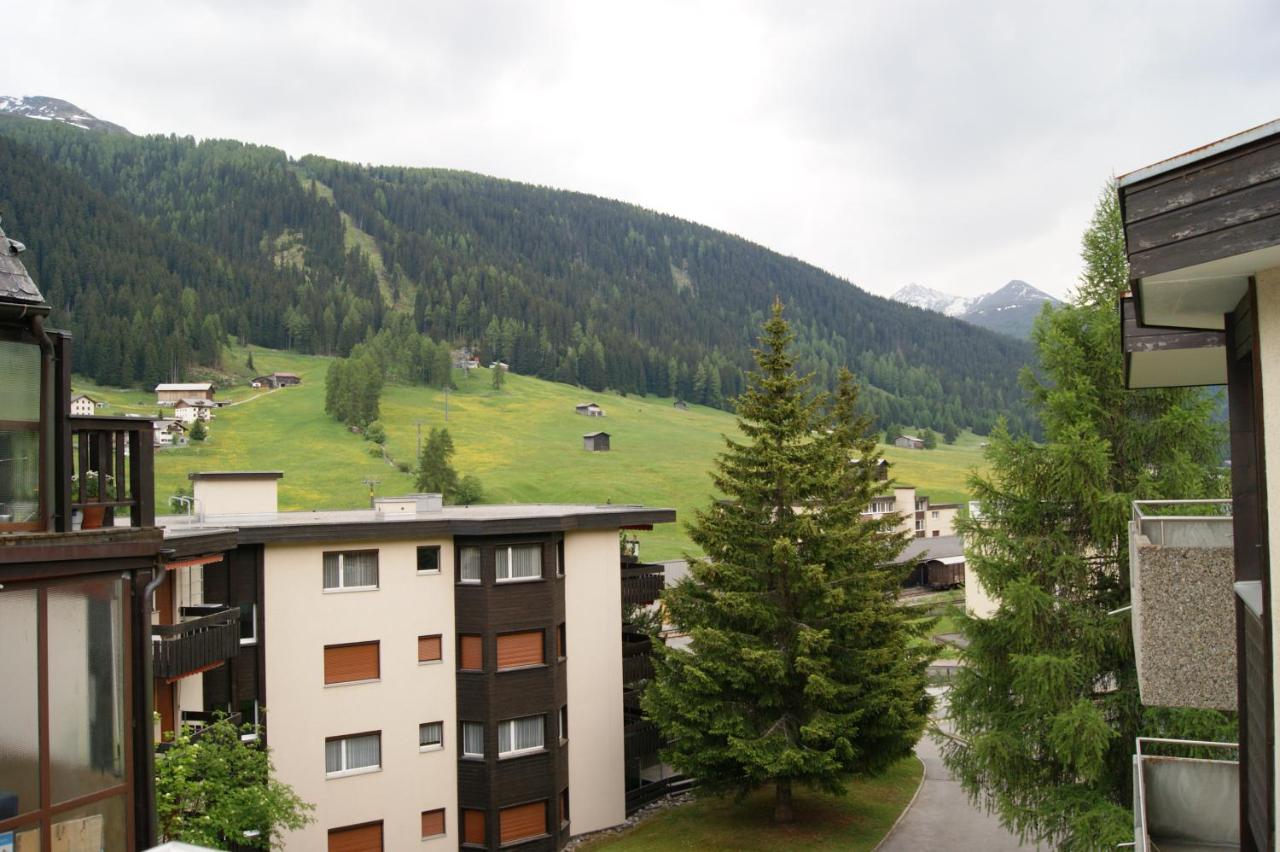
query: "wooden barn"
276, 380
169, 394
909, 442
681, 404
589, 409
596, 442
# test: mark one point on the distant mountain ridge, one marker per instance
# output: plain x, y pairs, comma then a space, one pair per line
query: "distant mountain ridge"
154, 250
1010, 310
54, 109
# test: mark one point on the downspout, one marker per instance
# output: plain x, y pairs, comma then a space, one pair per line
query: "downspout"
47, 470
145, 756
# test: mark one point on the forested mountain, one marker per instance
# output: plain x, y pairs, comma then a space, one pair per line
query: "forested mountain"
152, 249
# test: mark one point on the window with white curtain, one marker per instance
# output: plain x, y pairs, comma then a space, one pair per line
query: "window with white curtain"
430, 735
356, 569
518, 562
472, 739
469, 564
348, 754
517, 736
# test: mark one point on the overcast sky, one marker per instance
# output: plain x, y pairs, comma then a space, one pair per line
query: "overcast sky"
953, 144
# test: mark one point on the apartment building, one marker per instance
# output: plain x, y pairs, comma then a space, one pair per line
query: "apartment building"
921, 518
429, 677
1202, 236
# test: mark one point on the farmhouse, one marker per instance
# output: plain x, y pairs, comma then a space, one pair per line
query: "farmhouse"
596, 442
83, 405
169, 433
909, 442
276, 380
191, 410
438, 708
464, 359
589, 409
169, 394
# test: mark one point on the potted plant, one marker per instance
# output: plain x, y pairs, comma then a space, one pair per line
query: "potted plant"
93, 513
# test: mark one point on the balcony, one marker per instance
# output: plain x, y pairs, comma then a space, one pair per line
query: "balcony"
1184, 628
196, 645
1187, 802
109, 468
641, 583
637, 662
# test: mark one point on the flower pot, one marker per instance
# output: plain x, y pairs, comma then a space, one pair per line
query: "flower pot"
93, 516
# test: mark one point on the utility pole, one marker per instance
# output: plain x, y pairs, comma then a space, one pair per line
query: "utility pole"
419, 424
370, 483
446, 403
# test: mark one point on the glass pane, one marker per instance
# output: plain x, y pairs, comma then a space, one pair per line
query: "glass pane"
86, 687
19, 719
19, 475
100, 826
331, 570
360, 569
504, 737
502, 562
526, 561
430, 734
428, 559
333, 756
470, 557
473, 739
24, 839
529, 733
20, 391
363, 751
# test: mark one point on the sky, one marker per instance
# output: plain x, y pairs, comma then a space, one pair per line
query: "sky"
956, 145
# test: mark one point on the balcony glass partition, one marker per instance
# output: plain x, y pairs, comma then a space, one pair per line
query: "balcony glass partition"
1187, 795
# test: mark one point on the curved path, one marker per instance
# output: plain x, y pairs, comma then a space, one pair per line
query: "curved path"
941, 818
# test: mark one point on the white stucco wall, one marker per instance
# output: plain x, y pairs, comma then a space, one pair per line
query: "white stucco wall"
1268, 344
977, 601
235, 496
593, 633
301, 711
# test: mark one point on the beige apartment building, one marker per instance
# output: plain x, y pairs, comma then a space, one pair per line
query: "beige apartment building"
920, 517
429, 677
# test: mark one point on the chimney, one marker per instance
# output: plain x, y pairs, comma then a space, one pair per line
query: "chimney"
235, 492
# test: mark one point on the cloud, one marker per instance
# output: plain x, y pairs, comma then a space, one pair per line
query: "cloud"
955, 145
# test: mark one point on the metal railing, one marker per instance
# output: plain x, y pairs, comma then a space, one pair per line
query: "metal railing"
1184, 523
1164, 785
190, 646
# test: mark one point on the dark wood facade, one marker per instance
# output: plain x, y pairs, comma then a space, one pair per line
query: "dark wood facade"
240, 686
489, 696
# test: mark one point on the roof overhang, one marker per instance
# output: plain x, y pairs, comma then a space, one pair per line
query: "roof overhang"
1164, 357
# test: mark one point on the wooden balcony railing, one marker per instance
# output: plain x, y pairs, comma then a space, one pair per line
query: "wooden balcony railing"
109, 464
191, 646
637, 662
641, 583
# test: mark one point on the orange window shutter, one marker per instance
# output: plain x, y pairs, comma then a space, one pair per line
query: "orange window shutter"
471, 653
345, 663
432, 823
360, 838
522, 821
473, 827
520, 649
428, 648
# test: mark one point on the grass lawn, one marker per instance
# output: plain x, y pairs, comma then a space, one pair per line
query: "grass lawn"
856, 821
523, 442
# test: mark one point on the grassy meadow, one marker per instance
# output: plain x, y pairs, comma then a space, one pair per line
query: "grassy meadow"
524, 442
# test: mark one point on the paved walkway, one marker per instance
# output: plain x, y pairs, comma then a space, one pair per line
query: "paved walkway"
942, 819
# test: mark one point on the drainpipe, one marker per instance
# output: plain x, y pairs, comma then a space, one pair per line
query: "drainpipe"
149, 835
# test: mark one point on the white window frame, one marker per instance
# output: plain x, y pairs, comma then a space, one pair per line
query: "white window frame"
253, 619
439, 558
936, 514
438, 744
356, 770
510, 548
256, 721
342, 574
519, 752
462, 746
462, 552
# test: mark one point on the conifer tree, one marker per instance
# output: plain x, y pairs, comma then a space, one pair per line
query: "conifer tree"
801, 669
435, 471
1046, 707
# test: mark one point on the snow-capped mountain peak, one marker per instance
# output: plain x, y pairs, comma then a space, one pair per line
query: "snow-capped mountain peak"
53, 109
932, 300
1010, 310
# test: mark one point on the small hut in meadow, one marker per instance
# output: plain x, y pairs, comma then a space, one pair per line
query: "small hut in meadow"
596, 442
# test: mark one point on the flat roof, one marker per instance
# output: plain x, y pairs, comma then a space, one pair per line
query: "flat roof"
1203, 152
369, 524
935, 547
236, 474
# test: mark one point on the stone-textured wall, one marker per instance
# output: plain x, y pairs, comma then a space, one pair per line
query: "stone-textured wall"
1184, 626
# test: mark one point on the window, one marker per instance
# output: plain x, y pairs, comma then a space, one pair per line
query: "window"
249, 624
356, 838
516, 650
560, 558
879, 507
936, 514
470, 653
937, 533
430, 735
429, 560
472, 739
432, 823
522, 822
518, 562
250, 714
521, 736
564, 807
564, 723
919, 524
357, 569
20, 487
429, 649
473, 827
468, 565
354, 753
351, 663
560, 641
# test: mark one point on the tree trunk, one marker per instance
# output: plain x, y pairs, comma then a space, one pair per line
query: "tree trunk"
782, 811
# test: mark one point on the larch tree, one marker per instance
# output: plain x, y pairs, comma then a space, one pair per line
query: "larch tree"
801, 668
1046, 705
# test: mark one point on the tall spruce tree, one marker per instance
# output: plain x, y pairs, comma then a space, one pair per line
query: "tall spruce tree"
1046, 707
801, 668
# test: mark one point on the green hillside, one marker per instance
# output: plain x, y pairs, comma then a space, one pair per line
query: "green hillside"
524, 443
